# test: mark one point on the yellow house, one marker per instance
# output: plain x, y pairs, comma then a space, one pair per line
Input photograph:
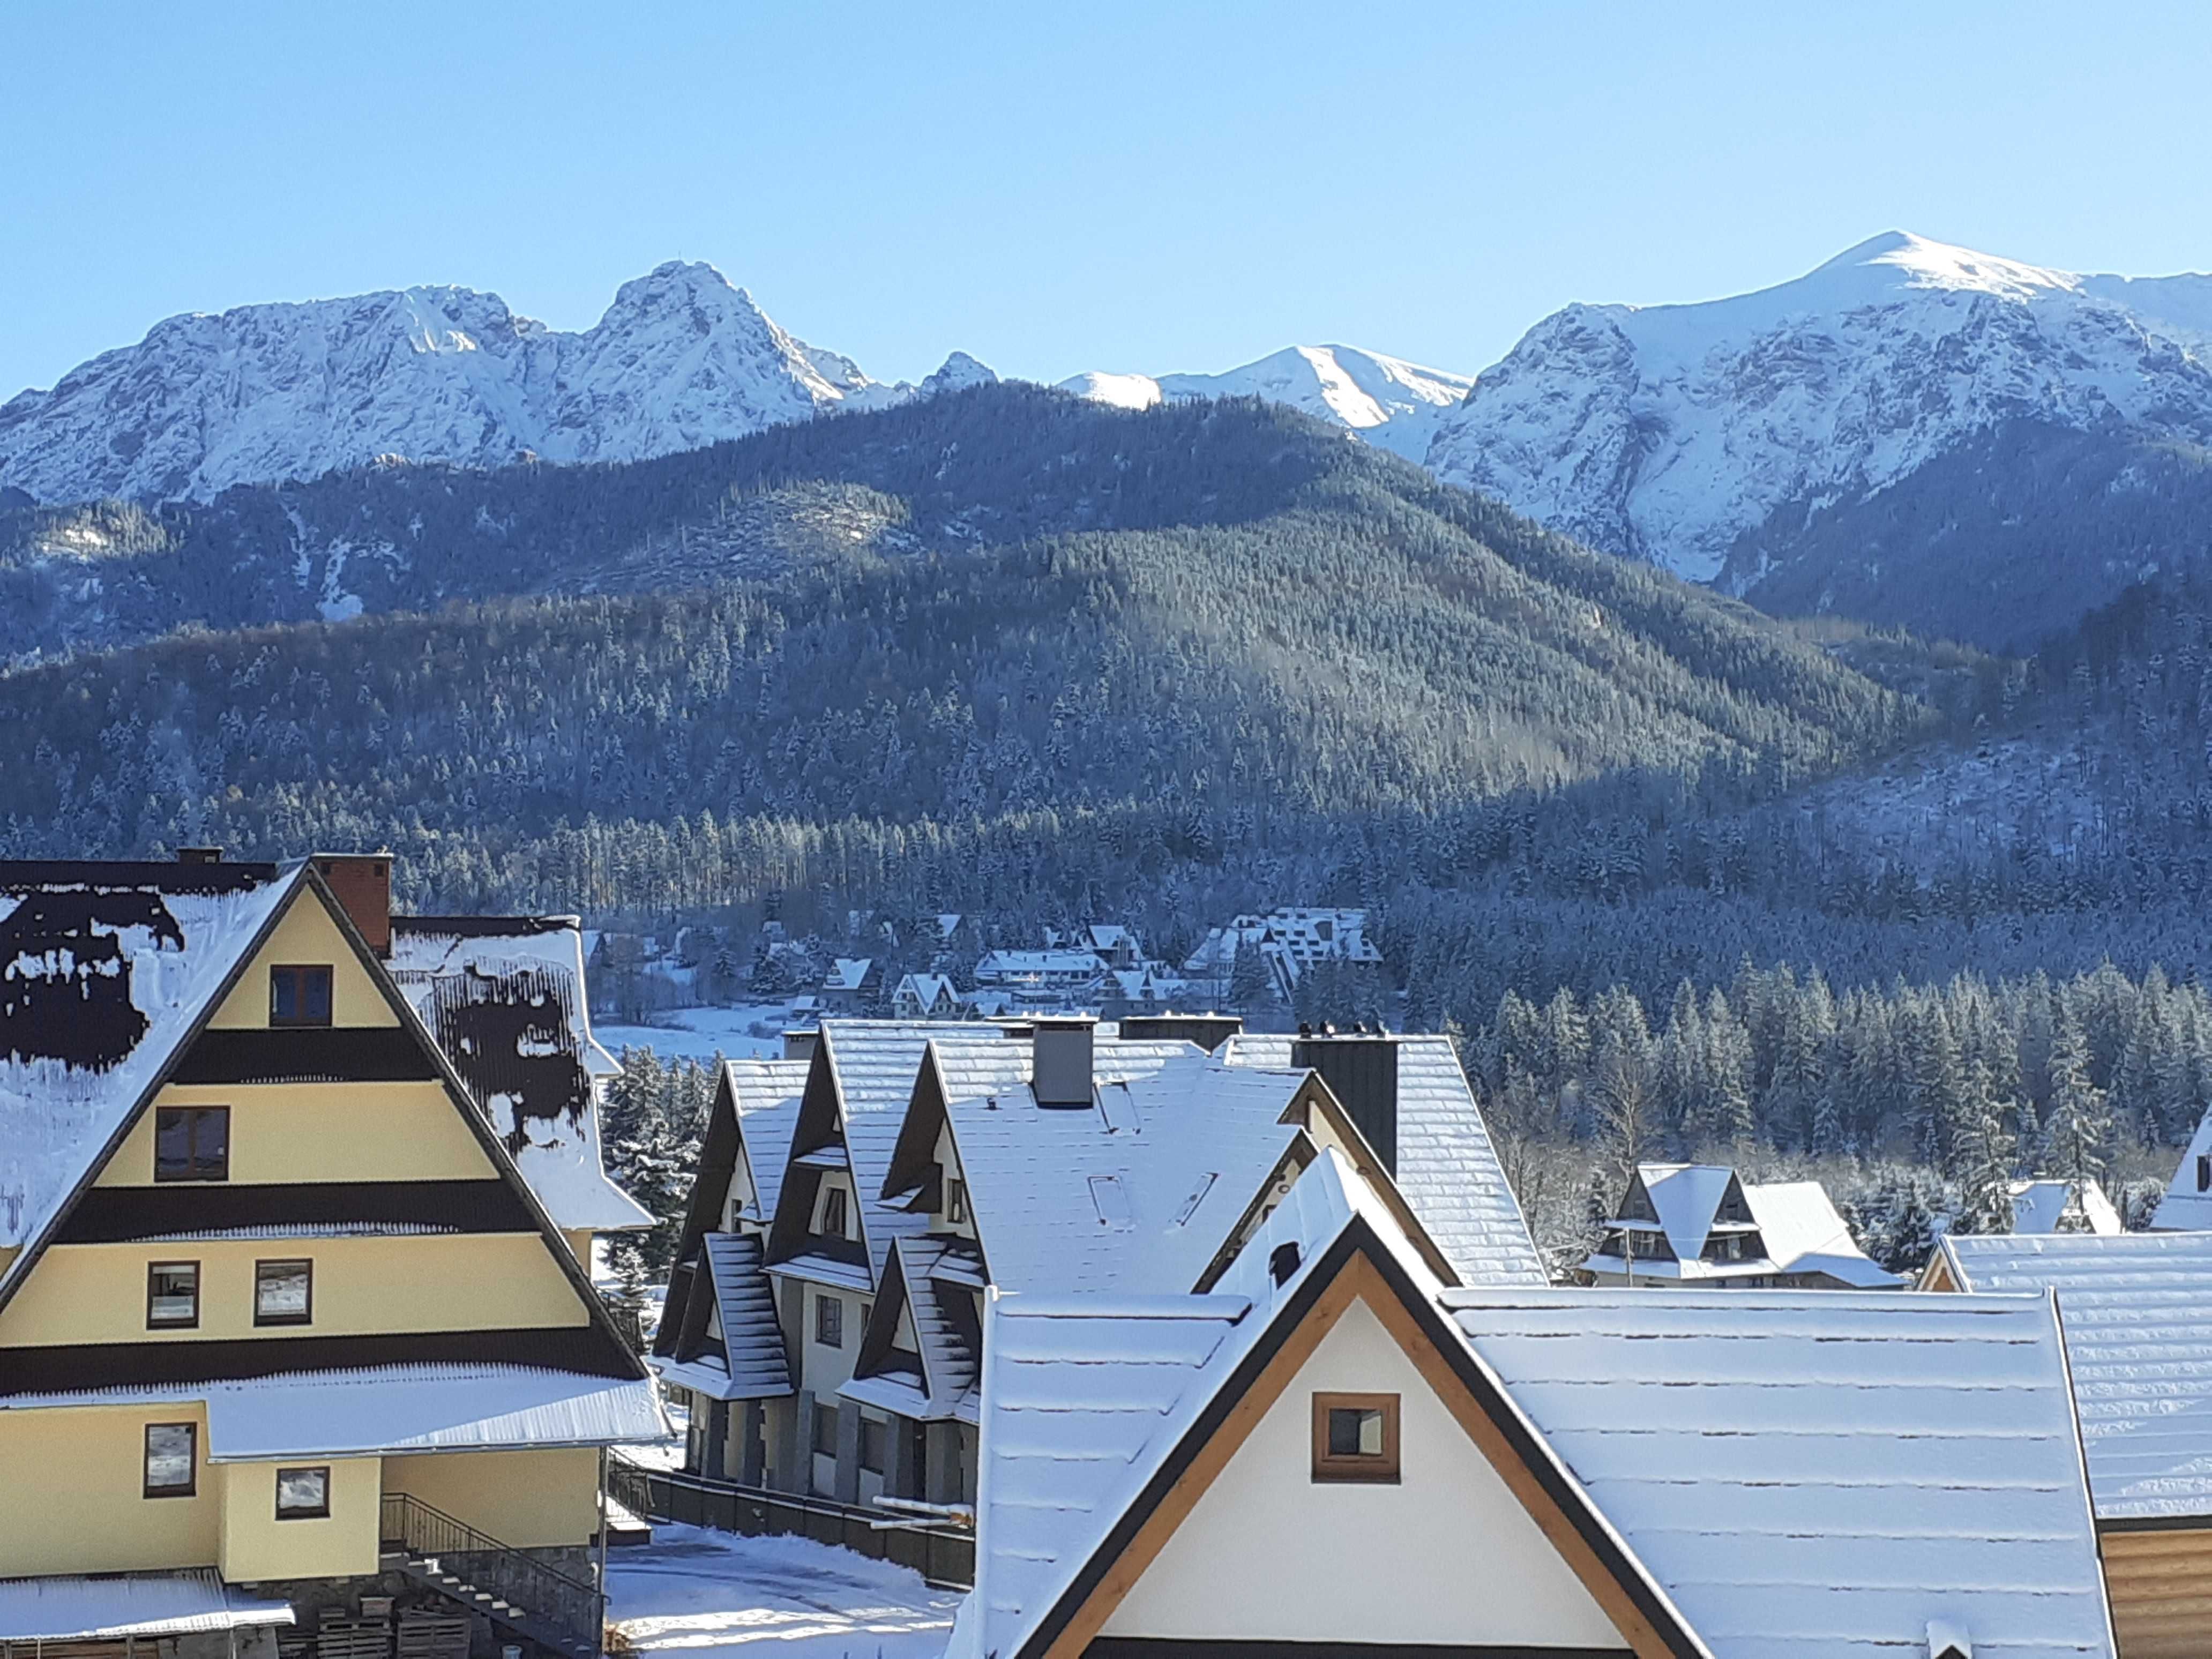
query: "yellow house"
281, 1324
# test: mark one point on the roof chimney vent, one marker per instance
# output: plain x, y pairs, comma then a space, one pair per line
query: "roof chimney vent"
799, 1044
362, 883
1362, 1072
199, 856
1060, 1057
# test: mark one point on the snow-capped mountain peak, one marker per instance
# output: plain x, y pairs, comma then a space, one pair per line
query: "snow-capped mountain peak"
1672, 432
265, 392
1386, 400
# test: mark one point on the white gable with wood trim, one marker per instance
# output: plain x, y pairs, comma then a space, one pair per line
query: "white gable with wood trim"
1446, 1555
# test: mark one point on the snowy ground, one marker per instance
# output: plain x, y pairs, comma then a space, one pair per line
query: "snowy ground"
695, 1591
755, 1031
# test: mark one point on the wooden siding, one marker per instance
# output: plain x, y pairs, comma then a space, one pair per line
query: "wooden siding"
2159, 1583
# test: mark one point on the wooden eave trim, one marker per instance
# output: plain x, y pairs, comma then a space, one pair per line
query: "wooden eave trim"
21, 1268
1370, 1167
502, 1161
1358, 1267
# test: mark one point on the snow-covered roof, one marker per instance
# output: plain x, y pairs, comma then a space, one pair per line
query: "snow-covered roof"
2037, 1206
1085, 1395
1820, 1474
105, 969
1447, 1169
2187, 1202
1139, 1191
505, 998
947, 1386
1685, 1197
1805, 1234
385, 1409
1019, 962
114, 1606
753, 1366
2136, 1310
766, 1093
847, 973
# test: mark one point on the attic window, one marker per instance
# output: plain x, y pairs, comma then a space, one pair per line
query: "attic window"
300, 995
1355, 1437
955, 1200
2204, 1172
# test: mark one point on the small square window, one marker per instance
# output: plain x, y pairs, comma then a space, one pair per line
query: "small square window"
833, 1212
172, 1460
283, 1292
829, 1321
173, 1296
825, 1429
300, 996
192, 1143
1355, 1437
303, 1494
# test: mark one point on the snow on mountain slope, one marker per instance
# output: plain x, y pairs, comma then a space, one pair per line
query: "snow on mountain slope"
275, 392
1386, 400
1669, 432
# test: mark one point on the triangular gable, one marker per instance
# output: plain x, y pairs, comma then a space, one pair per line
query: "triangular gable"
725, 1150
1358, 1267
615, 1357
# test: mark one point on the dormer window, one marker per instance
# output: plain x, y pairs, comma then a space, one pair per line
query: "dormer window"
955, 1200
833, 1211
300, 995
2204, 1172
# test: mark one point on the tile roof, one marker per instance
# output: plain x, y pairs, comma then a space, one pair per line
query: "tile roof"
1447, 1169
104, 970
1820, 1474
766, 1093
112, 1606
504, 996
2136, 1311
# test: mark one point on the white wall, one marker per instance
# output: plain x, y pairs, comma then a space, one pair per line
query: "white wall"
1447, 1556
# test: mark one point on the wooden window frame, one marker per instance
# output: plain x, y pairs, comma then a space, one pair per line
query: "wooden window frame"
322, 1513
300, 1021
195, 1114
1332, 1469
261, 1267
828, 1319
190, 1324
192, 1486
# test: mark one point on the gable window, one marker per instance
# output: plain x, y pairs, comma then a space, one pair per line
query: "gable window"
303, 1494
825, 1429
171, 1459
192, 1143
829, 1321
955, 1200
2204, 1172
1355, 1437
300, 996
833, 1211
283, 1292
173, 1296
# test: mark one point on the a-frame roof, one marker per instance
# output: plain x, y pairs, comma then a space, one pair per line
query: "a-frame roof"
236, 941
1105, 1418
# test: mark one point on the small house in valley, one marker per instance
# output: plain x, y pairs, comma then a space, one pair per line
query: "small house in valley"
1699, 1225
925, 996
2062, 1206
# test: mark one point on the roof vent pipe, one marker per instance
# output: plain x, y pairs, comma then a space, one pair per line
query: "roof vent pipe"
1061, 1061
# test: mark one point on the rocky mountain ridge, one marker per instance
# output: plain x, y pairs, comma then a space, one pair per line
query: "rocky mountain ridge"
269, 393
1673, 434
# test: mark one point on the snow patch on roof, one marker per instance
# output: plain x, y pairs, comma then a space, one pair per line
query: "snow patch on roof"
112, 1606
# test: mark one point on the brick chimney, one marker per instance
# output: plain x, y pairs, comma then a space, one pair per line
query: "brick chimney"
362, 883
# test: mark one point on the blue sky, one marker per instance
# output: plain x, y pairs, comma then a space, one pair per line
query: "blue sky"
1063, 186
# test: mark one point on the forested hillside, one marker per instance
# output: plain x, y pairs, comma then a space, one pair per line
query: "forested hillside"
1285, 647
